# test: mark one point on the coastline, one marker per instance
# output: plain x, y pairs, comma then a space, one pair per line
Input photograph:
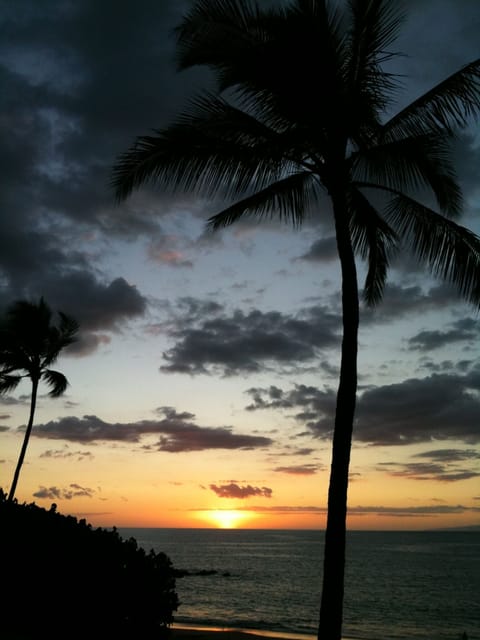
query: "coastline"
184, 631
181, 631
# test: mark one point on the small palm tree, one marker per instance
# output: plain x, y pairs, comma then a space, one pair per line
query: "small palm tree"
304, 110
29, 344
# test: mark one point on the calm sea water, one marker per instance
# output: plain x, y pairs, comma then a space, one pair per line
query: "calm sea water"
399, 585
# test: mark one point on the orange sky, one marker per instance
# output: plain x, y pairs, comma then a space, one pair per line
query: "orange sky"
121, 486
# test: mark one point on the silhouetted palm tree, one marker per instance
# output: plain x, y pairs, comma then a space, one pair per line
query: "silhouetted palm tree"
29, 344
304, 109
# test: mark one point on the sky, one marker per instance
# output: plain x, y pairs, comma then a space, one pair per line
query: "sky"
202, 387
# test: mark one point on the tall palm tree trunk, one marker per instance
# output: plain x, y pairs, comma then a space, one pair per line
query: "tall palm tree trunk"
33, 402
331, 607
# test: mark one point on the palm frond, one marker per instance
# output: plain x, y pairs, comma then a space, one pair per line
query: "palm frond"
296, 74
30, 341
276, 62
374, 240
58, 338
412, 164
449, 250
213, 148
374, 26
448, 106
216, 33
290, 197
8, 383
56, 380
15, 357
69, 328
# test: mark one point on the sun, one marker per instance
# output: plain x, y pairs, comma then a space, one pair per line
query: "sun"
227, 518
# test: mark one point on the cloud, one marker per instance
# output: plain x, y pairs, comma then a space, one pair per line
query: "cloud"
165, 250
450, 455
441, 465
464, 330
298, 470
439, 407
249, 342
65, 453
436, 408
176, 431
322, 250
429, 471
186, 312
12, 401
61, 128
56, 493
98, 307
407, 301
101, 306
419, 510
312, 402
233, 490
360, 510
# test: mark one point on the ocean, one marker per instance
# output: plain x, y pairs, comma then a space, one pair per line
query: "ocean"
400, 585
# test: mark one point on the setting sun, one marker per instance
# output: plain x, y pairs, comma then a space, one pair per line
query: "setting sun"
227, 519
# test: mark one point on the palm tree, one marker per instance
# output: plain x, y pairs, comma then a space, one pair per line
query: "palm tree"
29, 344
305, 109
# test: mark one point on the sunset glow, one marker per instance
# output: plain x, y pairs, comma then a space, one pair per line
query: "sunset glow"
227, 518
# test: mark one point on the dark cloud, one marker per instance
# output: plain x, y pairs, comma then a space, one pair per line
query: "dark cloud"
312, 402
188, 311
421, 510
450, 455
72, 98
384, 510
56, 493
304, 451
298, 470
322, 250
80, 456
248, 342
437, 408
10, 400
176, 431
430, 471
441, 465
234, 490
93, 73
465, 330
442, 49
446, 366
98, 307
102, 306
409, 301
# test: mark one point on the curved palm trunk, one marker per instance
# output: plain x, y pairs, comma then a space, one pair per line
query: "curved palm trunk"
33, 402
331, 608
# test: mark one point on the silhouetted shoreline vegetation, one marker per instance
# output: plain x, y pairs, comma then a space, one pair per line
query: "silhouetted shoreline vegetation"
62, 578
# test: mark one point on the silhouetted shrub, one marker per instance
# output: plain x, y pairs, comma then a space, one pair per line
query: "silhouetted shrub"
62, 578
